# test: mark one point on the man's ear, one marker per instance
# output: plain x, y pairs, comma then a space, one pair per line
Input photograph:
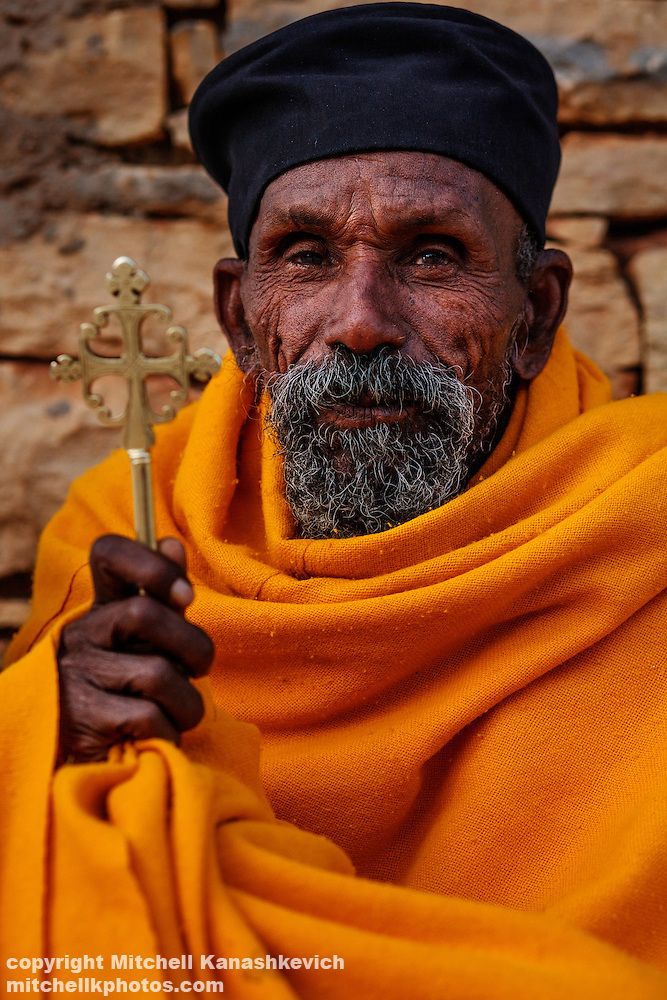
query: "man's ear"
546, 302
229, 310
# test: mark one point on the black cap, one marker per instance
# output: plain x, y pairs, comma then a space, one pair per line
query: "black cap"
394, 76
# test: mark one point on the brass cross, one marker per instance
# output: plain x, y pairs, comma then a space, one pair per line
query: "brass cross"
126, 282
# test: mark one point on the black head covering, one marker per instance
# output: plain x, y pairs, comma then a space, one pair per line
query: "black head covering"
393, 76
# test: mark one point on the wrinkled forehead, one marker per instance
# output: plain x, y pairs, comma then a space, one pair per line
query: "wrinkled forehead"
388, 191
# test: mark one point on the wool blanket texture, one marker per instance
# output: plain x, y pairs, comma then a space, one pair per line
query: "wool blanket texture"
467, 710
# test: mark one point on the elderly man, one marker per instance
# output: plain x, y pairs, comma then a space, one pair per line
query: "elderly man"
425, 557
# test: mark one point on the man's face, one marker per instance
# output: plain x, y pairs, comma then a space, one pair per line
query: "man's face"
376, 267
412, 250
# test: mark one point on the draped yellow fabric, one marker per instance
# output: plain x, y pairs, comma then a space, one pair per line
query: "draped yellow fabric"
471, 706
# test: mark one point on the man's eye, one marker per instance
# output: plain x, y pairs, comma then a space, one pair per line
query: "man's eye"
306, 258
432, 257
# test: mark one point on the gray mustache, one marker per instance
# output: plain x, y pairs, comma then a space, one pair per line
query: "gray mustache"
383, 378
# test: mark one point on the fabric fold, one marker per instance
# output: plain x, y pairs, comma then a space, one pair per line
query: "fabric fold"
469, 706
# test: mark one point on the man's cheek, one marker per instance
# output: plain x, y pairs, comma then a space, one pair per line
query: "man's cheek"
263, 316
281, 323
463, 333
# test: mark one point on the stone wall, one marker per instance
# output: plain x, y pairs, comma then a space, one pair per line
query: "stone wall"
96, 163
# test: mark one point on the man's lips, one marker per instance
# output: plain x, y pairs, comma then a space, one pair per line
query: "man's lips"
366, 414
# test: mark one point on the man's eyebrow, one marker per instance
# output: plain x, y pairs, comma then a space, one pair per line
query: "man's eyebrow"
304, 217
430, 218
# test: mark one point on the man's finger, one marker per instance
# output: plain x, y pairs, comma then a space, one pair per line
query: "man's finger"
173, 549
119, 627
108, 719
121, 566
158, 680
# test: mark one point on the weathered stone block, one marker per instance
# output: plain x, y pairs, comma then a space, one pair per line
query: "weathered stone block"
615, 175
107, 75
137, 189
52, 281
648, 270
13, 612
614, 102
195, 49
177, 126
47, 437
191, 4
580, 231
601, 319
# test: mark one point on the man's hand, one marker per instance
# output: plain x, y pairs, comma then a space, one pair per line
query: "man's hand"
125, 666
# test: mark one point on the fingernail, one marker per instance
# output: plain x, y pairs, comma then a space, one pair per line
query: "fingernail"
181, 593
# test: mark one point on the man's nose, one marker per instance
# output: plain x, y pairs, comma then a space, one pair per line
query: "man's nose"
363, 314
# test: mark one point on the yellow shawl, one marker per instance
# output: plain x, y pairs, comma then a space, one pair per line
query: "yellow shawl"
470, 705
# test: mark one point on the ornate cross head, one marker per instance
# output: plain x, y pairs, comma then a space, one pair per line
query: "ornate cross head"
127, 281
